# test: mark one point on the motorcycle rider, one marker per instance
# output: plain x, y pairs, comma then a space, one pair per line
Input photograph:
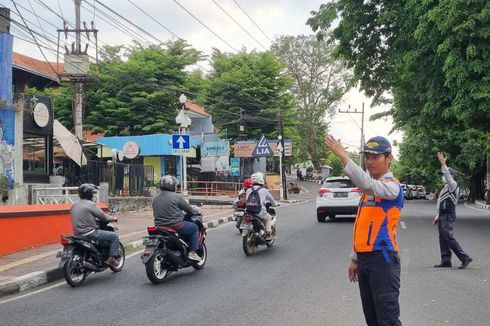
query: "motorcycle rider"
265, 198
239, 202
84, 215
167, 211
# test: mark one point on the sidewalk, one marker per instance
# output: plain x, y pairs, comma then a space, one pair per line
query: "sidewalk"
30, 268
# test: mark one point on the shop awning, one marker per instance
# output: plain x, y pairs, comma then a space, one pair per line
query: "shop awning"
69, 143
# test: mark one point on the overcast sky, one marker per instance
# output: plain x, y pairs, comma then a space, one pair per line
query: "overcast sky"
274, 17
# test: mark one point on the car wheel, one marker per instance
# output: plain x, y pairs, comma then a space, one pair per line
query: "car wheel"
331, 216
320, 217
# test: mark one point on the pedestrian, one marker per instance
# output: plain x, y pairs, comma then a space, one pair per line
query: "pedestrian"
446, 217
375, 263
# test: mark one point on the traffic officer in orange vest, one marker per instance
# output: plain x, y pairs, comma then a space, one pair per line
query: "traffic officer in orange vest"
374, 261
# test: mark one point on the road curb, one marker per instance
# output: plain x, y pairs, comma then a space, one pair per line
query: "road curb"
36, 279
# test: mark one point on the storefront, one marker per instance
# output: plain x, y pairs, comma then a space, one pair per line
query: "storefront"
37, 138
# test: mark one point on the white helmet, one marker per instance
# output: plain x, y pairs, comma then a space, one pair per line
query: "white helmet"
257, 178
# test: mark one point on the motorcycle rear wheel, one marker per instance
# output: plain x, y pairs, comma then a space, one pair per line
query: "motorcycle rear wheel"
154, 268
121, 260
249, 244
73, 270
203, 253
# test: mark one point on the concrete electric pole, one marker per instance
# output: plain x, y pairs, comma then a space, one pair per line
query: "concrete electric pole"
77, 65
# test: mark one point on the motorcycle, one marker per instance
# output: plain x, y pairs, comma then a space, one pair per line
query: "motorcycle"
82, 256
238, 218
253, 231
166, 251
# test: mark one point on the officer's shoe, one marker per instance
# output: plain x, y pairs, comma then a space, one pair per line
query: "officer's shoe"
465, 263
444, 264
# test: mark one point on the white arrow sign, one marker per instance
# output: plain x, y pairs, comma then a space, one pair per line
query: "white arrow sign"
181, 142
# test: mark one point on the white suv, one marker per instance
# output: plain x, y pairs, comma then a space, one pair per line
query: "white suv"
337, 195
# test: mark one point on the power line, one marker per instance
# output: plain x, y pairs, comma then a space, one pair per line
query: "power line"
205, 26
156, 21
34, 38
260, 29
233, 19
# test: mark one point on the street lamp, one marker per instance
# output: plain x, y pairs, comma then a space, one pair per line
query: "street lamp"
280, 149
184, 122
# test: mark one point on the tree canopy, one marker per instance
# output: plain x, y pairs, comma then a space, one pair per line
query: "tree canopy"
320, 81
433, 59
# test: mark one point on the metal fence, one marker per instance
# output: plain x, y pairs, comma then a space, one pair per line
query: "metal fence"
124, 179
57, 195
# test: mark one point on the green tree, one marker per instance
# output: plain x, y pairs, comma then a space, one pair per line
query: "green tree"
254, 84
434, 59
320, 81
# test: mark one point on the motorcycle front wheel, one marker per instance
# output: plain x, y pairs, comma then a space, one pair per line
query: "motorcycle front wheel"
73, 270
249, 243
203, 253
120, 260
270, 243
155, 269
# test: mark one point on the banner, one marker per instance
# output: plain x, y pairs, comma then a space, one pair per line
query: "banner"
235, 166
248, 148
216, 148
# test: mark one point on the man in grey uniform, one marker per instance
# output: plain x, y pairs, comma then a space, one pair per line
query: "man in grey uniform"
446, 217
84, 215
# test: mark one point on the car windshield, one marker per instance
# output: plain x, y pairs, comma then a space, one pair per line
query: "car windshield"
338, 184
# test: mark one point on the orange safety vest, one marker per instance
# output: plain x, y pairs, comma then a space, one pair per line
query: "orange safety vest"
376, 225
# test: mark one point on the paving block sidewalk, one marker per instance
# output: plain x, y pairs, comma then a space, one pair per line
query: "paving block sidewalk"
29, 268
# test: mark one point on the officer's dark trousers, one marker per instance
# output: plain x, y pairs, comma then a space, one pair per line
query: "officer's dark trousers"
379, 284
447, 242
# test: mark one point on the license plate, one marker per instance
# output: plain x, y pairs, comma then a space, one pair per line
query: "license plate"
340, 194
150, 242
64, 253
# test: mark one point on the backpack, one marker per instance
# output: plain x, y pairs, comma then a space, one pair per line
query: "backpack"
253, 204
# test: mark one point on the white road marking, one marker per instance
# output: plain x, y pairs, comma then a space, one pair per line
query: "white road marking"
477, 209
402, 224
55, 285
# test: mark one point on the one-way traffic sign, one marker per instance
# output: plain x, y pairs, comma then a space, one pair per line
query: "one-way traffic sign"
181, 144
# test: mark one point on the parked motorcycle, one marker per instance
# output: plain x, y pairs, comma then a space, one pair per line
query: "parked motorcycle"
238, 218
82, 256
253, 232
166, 251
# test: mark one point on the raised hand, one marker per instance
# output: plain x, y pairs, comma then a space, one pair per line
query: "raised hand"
442, 159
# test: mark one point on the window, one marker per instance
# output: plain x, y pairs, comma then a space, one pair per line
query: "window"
35, 154
343, 183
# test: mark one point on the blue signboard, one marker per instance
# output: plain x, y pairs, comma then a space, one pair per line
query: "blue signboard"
235, 166
215, 148
181, 144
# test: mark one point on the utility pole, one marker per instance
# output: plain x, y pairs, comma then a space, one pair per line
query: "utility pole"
77, 65
488, 179
283, 154
361, 148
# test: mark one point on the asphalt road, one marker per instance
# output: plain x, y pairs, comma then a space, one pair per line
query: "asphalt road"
300, 281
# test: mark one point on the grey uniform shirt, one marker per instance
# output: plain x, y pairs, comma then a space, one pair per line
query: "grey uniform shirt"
83, 217
370, 186
449, 189
168, 207
265, 197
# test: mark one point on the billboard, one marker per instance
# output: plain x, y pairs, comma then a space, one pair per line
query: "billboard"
255, 148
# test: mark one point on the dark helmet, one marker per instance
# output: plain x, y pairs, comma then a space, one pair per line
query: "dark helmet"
168, 182
377, 145
86, 191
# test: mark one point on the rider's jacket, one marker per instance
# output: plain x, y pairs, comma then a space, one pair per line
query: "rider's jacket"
83, 217
168, 207
376, 225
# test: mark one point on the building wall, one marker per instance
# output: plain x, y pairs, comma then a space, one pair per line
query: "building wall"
156, 162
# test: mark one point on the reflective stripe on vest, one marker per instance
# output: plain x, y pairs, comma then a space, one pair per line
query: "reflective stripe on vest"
376, 225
